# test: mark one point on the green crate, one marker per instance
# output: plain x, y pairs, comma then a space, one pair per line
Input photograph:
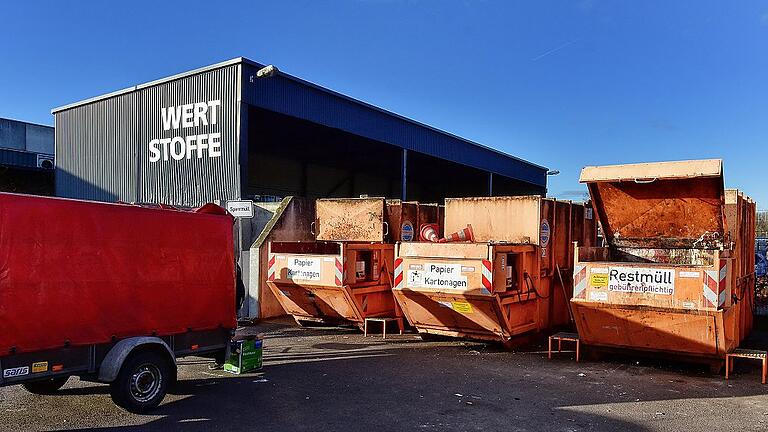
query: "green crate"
245, 356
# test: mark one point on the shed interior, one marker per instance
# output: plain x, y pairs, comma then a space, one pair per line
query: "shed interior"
291, 156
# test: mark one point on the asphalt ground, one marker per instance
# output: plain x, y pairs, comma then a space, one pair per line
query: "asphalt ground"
330, 379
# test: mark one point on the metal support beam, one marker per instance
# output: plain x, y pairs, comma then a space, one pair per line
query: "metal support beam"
490, 184
404, 176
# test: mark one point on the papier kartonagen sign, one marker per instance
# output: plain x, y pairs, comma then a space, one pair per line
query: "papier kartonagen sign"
181, 146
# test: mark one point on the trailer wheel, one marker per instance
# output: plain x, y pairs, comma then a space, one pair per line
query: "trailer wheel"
46, 387
142, 382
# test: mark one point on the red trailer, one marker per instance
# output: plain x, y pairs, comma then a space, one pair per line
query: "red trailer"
111, 293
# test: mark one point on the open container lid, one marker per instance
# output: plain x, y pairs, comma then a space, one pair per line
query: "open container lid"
350, 219
661, 204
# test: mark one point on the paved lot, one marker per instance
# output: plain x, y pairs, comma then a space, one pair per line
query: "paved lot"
330, 379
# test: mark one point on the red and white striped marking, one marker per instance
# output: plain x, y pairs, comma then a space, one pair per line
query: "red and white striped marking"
580, 281
487, 275
271, 267
714, 285
339, 273
399, 273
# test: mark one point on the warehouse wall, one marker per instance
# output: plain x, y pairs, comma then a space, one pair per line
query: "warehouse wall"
118, 149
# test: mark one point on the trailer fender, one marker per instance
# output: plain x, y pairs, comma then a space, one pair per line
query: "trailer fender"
114, 359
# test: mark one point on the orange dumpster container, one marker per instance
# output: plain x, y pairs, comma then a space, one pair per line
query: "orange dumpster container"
674, 277
513, 279
344, 276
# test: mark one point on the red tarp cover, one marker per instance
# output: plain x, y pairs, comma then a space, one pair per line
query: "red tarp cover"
83, 272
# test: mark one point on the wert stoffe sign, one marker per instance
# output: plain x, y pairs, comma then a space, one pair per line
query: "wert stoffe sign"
240, 208
178, 119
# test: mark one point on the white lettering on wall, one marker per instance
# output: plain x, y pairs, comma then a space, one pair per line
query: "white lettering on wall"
189, 146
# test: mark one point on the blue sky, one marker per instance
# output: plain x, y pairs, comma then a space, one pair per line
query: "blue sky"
562, 84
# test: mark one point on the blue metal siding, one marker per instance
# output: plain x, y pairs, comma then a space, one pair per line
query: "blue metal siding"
18, 158
23, 136
290, 96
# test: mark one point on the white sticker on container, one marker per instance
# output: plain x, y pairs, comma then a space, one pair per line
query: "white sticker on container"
445, 304
598, 296
689, 274
329, 259
302, 268
467, 269
689, 305
601, 270
437, 275
641, 280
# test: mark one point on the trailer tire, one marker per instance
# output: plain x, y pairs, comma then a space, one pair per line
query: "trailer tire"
142, 382
46, 387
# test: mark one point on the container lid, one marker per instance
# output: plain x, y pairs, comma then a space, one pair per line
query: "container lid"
512, 219
659, 205
350, 219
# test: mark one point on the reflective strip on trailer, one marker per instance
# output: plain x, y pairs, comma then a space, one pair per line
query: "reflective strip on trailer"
398, 273
580, 281
487, 275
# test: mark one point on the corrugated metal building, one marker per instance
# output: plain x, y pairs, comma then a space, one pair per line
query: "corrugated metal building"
228, 132
26, 157
221, 132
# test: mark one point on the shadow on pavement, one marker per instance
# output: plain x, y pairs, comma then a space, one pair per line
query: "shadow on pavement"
405, 384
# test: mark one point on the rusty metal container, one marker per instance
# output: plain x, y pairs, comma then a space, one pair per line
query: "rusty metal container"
675, 275
343, 277
403, 220
513, 280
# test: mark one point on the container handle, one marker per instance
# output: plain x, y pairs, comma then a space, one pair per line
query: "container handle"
386, 229
312, 228
645, 181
